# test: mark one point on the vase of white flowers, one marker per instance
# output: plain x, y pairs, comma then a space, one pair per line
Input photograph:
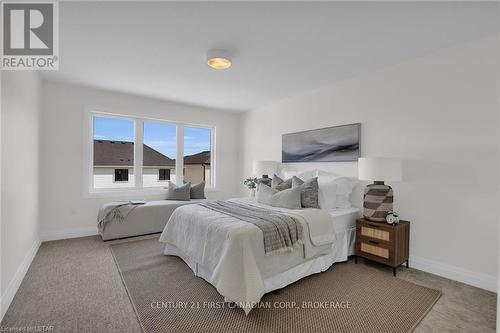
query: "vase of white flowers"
251, 183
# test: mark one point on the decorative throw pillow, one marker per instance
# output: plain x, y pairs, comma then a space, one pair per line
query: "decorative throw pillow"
198, 191
342, 185
308, 191
280, 184
289, 198
175, 192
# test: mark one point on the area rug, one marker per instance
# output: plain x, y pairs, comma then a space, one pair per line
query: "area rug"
168, 297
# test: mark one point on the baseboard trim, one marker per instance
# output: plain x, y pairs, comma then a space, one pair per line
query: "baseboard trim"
68, 233
18, 277
475, 279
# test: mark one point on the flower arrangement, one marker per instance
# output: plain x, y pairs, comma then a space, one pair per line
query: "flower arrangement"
251, 183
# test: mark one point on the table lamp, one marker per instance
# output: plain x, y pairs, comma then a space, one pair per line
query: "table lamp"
264, 169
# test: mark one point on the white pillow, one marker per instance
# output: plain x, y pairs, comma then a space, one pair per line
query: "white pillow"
327, 194
344, 190
330, 182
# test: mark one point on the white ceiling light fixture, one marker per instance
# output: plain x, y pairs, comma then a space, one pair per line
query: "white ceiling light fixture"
218, 59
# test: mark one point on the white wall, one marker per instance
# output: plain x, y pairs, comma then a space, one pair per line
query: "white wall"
196, 173
20, 178
440, 114
63, 209
150, 177
105, 178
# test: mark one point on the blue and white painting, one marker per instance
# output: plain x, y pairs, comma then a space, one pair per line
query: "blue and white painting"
332, 144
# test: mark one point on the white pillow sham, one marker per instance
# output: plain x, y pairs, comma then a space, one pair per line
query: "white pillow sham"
341, 185
327, 194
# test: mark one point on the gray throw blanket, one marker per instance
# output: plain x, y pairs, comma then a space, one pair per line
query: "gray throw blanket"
117, 210
282, 233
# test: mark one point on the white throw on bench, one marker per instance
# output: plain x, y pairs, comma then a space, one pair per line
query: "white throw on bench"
144, 219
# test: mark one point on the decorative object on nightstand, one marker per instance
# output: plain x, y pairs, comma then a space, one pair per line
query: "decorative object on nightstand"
264, 169
251, 183
392, 217
378, 197
384, 243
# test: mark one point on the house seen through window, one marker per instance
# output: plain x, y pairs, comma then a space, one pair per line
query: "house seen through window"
114, 161
197, 155
113, 164
121, 175
159, 153
164, 174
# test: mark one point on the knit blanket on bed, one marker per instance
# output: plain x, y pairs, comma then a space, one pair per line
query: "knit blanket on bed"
282, 232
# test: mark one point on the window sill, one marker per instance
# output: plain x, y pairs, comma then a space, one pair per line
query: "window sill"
119, 193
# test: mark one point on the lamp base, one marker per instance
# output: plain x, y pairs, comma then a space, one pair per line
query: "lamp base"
377, 201
265, 180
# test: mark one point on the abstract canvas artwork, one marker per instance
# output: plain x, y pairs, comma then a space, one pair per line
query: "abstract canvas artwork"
331, 144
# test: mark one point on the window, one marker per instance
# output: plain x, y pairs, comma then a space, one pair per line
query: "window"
164, 174
131, 153
113, 143
198, 155
121, 175
159, 153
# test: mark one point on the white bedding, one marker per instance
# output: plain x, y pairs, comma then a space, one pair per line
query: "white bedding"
231, 252
345, 218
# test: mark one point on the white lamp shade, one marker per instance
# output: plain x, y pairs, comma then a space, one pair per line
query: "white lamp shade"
260, 167
380, 169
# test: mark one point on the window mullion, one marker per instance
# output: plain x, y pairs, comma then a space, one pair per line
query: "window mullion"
138, 151
179, 161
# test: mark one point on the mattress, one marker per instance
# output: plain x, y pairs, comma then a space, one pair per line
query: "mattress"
345, 219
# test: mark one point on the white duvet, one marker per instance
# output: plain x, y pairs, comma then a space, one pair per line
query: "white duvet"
233, 250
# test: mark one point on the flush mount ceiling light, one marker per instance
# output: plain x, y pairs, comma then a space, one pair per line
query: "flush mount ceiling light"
218, 59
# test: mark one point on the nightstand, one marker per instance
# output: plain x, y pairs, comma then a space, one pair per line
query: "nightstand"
384, 243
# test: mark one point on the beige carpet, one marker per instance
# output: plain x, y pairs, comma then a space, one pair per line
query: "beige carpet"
72, 285
169, 298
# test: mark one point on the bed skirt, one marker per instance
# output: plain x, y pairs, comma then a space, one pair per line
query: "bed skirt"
343, 247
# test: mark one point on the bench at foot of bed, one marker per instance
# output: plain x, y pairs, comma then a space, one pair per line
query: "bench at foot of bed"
144, 219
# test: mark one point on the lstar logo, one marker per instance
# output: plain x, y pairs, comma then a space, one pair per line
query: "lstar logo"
30, 35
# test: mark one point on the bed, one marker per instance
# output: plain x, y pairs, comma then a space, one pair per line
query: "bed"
229, 253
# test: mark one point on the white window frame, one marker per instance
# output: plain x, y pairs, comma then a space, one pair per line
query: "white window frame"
137, 188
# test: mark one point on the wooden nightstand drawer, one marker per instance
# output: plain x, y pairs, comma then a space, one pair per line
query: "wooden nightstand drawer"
375, 250
379, 251
377, 233
383, 243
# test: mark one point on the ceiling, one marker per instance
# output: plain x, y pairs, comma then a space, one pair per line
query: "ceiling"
278, 49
